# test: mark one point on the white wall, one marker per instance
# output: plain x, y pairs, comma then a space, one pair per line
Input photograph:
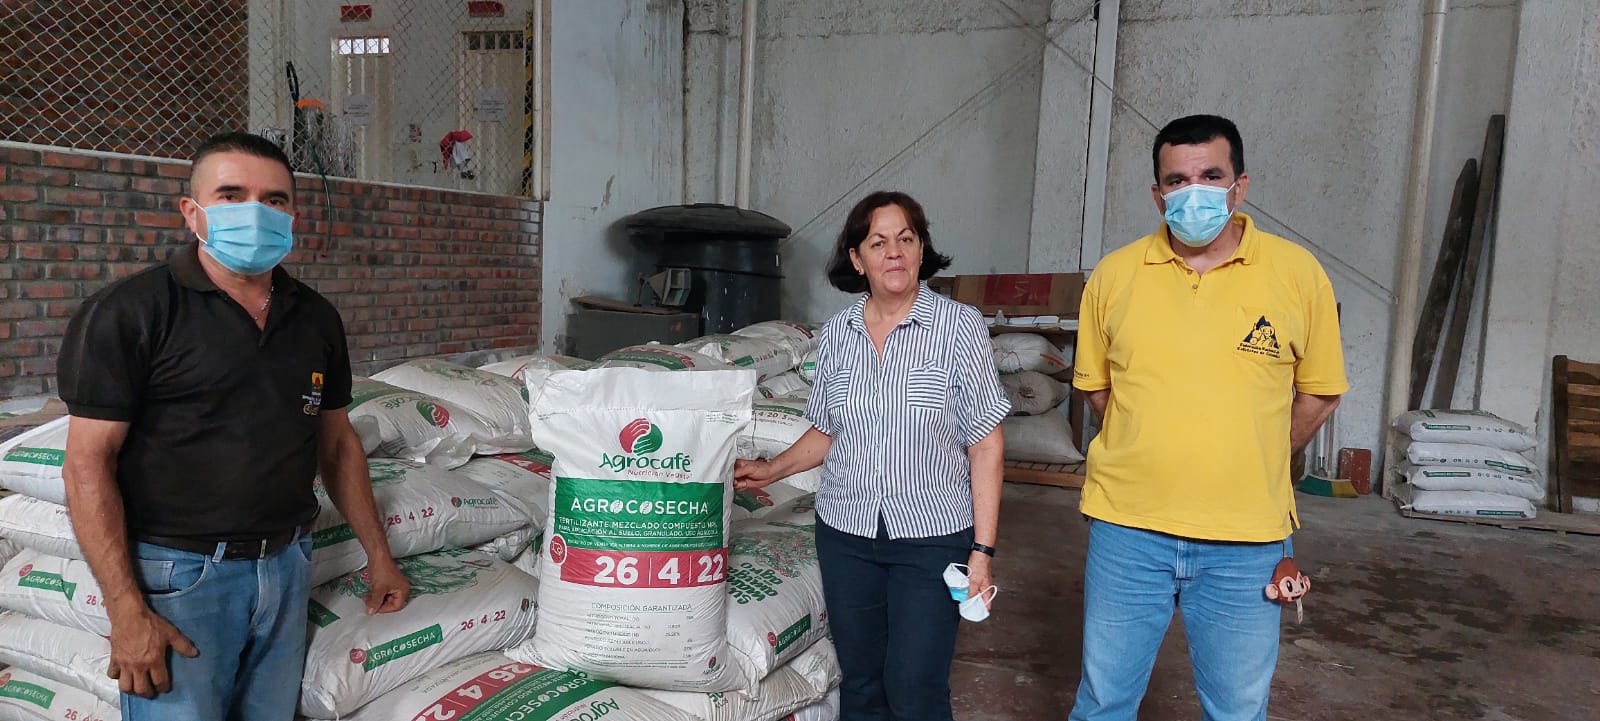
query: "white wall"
1323, 93
616, 145
940, 100
1544, 290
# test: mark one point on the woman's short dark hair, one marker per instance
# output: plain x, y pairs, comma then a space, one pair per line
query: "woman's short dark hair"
842, 273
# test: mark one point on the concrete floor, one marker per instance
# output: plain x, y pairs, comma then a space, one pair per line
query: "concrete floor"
1408, 619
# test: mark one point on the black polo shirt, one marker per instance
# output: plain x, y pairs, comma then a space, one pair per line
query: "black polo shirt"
223, 417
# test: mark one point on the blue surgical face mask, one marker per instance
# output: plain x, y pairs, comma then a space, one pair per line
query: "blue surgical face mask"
1197, 213
248, 238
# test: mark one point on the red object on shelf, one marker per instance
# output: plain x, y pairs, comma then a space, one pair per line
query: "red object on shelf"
354, 13
485, 9
1355, 465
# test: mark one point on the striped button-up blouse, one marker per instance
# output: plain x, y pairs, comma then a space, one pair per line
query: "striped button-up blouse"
901, 424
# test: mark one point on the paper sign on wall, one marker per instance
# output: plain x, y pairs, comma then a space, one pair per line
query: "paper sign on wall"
491, 105
358, 109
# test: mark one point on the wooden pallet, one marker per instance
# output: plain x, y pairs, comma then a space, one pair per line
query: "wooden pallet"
1587, 524
1062, 475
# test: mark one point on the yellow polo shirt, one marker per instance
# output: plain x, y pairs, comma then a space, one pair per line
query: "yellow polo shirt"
1202, 372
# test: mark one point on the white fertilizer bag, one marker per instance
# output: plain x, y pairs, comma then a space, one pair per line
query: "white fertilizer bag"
808, 368
801, 338
492, 687
1040, 439
784, 692
462, 603
40, 525
528, 561
825, 710
777, 501
536, 366
1463, 455
56, 652
522, 478
1477, 428
499, 402
30, 464
59, 590
1032, 393
1472, 503
411, 426
1450, 478
510, 546
784, 385
767, 358
775, 424
1018, 352
775, 589
422, 509
8, 550
634, 583
29, 697
820, 665
657, 357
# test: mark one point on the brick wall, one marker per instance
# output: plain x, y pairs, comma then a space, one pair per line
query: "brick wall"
128, 77
413, 271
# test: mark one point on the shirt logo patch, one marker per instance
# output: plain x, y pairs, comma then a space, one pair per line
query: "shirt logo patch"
1262, 340
313, 399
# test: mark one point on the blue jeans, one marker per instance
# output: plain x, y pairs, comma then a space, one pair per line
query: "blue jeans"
1132, 580
247, 619
893, 621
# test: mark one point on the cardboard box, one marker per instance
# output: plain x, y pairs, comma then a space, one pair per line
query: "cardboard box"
1021, 294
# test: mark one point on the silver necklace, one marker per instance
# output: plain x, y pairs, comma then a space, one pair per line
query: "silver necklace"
256, 316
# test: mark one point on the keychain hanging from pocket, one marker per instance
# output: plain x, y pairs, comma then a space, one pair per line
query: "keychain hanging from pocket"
1289, 585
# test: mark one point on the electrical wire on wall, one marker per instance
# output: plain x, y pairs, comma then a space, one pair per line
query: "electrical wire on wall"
303, 138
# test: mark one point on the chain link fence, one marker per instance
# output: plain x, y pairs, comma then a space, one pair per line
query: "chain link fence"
438, 93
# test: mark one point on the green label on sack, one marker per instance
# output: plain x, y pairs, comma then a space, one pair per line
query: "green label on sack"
540, 696
1445, 427
320, 615
1514, 514
332, 536
635, 516
28, 693
400, 647
37, 456
793, 633
1446, 474
49, 582
1508, 467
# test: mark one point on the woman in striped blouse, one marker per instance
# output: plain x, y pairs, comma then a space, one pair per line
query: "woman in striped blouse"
906, 415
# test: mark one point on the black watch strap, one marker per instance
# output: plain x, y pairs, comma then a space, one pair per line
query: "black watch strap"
985, 550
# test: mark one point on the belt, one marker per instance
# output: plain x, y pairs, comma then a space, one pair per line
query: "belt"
247, 550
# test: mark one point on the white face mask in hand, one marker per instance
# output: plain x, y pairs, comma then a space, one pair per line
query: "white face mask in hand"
955, 576
976, 609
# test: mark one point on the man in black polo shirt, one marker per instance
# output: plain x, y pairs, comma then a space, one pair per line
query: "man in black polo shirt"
206, 393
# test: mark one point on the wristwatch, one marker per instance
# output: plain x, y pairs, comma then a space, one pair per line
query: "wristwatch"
985, 550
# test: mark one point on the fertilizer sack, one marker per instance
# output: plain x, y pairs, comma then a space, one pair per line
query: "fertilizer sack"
766, 357
59, 590
782, 693
461, 603
500, 403
422, 508
537, 367
825, 710
29, 697
1468, 456
657, 357
56, 652
30, 463
1476, 504
634, 579
808, 368
1018, 352
777, 501
40, 525
398, 423
1040, 439
1032, 393
521, 478
1451, 478
801, 338
492, 687
785, 385
1477, 428
776, 606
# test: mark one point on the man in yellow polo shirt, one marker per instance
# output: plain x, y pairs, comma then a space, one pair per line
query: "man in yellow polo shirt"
1210, 349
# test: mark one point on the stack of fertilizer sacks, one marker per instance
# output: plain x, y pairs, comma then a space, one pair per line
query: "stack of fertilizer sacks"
1469, 463
465, 495
1034, 374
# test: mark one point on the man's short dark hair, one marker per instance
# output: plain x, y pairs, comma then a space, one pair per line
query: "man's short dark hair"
1196, 130
842, 273
236, 142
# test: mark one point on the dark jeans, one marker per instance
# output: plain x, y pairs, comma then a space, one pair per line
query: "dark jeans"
893, 621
